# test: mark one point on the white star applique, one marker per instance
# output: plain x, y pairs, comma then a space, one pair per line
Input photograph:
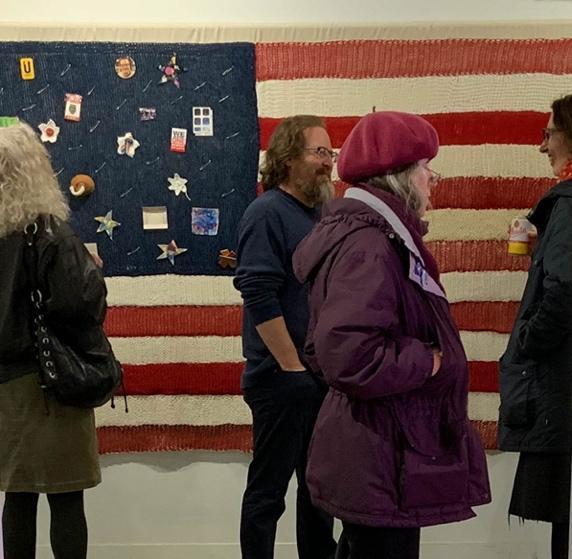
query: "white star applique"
127, 144
170, 251
50, 131
178, 184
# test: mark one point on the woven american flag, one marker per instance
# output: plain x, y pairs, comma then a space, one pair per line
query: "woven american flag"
179, 335
488, 99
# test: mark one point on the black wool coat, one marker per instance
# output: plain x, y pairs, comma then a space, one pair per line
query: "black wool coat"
536, 368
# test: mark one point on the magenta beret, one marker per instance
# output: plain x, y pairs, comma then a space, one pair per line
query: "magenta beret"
383, 141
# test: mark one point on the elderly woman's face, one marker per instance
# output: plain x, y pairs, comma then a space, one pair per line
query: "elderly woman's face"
424, 179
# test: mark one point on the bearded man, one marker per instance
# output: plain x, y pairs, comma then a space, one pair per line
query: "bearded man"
283, 395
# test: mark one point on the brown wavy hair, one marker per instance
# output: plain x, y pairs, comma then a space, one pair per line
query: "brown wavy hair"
287, 142
562, 116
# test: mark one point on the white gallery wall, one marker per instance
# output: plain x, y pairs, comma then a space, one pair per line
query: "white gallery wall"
175, 505
183, 12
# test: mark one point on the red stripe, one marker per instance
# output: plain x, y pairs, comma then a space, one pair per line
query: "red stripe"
476, 256
481, 193
483, 376
224, 378
156, 438
485, 315
411, 58
174, 321
478, 193
468, 128
183, 378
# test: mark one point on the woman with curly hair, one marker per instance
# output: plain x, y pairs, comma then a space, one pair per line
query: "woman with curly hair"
45, 447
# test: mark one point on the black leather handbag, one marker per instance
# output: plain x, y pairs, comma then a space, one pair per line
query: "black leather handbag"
74, 377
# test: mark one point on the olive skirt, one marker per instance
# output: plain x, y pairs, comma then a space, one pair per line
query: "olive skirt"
44, 447
542, 488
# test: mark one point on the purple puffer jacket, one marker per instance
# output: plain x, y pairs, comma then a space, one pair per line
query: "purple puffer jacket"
392, 446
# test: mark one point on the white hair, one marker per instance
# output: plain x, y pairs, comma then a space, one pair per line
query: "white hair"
401, 184
28, 188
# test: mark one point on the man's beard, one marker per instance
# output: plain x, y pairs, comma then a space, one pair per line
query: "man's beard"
317, 191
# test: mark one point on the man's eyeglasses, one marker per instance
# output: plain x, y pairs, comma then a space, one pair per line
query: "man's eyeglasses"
323, 152
547, 133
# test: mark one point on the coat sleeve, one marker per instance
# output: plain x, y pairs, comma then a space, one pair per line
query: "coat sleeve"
261, 272
551, 320
75, 285
356, 338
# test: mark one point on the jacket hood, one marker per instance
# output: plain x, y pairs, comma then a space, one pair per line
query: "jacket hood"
340, 218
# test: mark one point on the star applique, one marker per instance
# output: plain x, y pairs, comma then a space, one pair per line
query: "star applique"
50, 131
178, 184
171, 71
170, 251
127, 144
107, 224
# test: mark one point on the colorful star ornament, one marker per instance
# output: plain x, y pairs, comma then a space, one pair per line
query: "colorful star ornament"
127, 144
227, 259
50, 131
107, 224
178, 184
170, 251
171, 71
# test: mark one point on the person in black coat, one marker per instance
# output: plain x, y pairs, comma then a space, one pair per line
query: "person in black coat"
536, 368
45, 447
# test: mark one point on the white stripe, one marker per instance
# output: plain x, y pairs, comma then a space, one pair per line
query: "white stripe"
485, 160
470, 225
171, 290
177, 410
178, 349
484, 406
424, 95
460, 286
228, 410
483, 286
484, 346
479, 346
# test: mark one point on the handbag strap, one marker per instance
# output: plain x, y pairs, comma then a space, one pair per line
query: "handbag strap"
39, 325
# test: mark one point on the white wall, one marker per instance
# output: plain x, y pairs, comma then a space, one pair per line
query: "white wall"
184, 12
186, 505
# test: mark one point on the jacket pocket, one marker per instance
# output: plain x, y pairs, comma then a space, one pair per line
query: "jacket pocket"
434, 480
519, 396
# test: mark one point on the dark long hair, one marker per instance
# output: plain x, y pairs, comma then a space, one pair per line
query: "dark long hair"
562, 116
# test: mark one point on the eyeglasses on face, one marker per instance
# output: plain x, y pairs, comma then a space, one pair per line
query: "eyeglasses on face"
547, 133
434, 176
323, 152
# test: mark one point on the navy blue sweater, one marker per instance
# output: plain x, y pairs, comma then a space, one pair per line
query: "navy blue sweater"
269, 232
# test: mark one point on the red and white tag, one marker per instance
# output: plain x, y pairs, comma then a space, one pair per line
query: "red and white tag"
178, 139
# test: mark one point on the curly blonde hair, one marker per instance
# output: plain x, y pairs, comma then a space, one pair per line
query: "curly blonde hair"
28, 187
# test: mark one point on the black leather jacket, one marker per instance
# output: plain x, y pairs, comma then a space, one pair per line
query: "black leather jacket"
73, 288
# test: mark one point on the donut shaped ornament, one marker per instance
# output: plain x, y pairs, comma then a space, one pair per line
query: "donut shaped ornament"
82, 185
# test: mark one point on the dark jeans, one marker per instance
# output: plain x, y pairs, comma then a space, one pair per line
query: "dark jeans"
363, 542
284, 409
